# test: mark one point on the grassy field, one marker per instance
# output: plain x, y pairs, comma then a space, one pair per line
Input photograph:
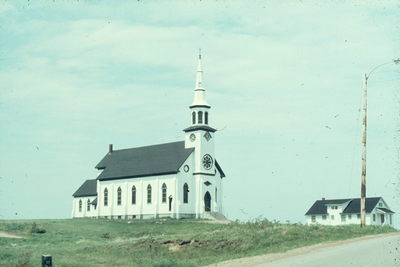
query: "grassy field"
92, 242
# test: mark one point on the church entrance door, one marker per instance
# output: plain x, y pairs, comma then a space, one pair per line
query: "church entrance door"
207, 202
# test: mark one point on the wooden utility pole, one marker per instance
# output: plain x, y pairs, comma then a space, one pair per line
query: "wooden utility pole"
364, 153
364, 142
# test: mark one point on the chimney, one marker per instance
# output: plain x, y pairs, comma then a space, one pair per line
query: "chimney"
322, 198
110, 148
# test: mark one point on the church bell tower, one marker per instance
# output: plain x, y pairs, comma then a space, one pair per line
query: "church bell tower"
200, 135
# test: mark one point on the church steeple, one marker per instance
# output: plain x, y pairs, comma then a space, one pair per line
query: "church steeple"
199, 108
199, 91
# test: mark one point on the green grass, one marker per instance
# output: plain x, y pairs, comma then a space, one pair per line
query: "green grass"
161, 243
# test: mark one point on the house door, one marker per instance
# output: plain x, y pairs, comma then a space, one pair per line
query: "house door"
207, 202
170, 203
382, 218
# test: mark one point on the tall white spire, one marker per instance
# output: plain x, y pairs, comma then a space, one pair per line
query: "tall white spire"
199, 90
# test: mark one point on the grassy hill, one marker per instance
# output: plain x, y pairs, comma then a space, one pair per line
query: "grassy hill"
93, 242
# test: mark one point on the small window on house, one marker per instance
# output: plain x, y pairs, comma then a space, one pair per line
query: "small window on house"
390, 218
105, 197
194, 117
200, 117
119, 196
332, 217
323, 217
148, 194
373, 217
358, 216
216, 194
88, 205
380, 204
349, 216
312, 218
133, 194
185, 193
164, 193
335, 207
206, 117
80, 205
343, 217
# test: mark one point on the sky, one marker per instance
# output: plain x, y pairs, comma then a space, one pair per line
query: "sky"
284, 79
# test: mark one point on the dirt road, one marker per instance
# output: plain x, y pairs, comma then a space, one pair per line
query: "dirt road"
376, 250
4, 234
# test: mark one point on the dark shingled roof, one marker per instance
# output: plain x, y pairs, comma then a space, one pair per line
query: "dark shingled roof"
320, 206
144, 161
385, 210
88, 188
354, 206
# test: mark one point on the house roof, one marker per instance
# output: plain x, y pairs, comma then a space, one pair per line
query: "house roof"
88, 188
320, 206
354, 206
385, 210
144, 161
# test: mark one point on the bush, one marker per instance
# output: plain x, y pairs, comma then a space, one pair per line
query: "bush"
35, 229
105, 235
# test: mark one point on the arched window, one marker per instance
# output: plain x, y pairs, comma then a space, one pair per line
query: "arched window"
194, 117
216, 194
164, 193
119, 196
200, 117
133, 195
185, 193
80, 205
149, 194
206, 117
106, 197
88, 205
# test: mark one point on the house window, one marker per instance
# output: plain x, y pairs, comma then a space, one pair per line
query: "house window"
349, 216
380, 204
373, 217
358, 216
106, 197
185, 193
332, 217
119, 196
148, 194
313, 219
80, 205
343, 217
216, 194
323, 217
200, 117
133, 194
335, 207
194, 117
206, 117
88, 205
390, 218
164, 193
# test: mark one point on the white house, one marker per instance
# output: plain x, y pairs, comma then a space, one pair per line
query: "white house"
179, 179
347, 211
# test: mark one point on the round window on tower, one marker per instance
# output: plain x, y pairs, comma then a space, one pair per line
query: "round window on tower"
207, 161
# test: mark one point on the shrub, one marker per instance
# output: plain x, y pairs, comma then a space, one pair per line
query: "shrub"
35, 229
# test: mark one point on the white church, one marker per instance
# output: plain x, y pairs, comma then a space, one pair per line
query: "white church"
179, 180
